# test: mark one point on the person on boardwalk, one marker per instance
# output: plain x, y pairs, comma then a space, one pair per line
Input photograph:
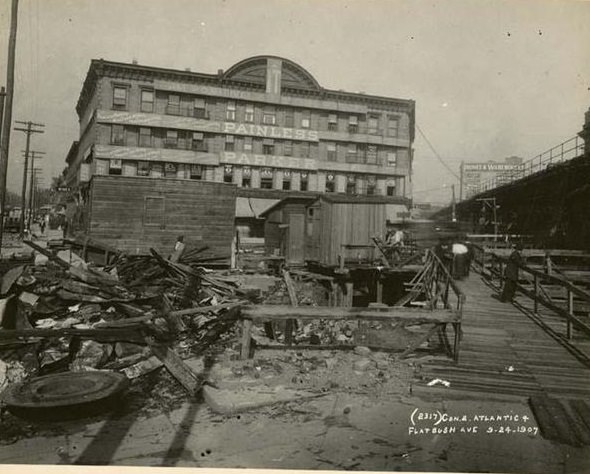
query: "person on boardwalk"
511, 274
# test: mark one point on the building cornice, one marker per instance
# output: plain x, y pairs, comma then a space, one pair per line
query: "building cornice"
101, 68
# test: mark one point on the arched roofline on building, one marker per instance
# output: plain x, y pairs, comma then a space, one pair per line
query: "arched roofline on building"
245, 63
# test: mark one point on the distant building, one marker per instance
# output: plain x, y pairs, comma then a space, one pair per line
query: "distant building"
475, 175
265, 125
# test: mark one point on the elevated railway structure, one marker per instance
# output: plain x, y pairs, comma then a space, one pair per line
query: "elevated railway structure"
546, 198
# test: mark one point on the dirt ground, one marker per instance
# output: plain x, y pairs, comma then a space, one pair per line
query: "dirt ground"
363, 418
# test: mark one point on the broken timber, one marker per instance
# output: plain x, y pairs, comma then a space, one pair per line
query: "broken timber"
440, 318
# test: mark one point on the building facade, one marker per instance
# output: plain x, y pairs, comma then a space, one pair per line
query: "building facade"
265, 125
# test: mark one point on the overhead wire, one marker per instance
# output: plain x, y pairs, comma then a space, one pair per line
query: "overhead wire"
438, 157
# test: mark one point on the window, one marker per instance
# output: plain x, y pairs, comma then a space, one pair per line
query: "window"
353, 124
154, 211
304, 150
333, 122
147, 101
248, 144
269, 117
196, 172
268, 147
288, 148
143, 168
171, 140
391, 158
198, 142
392, 126
249, 115
119, 97
228, 174
351, 185
304, 184
371, 154
230, 111
371, 185
266, 176
170, 170
145, 136
173, 107
229, 143
199, 110
246, 177
286, 180
117, 135
373, 124
331, 151
391, 190
330, 183
305, 119
131, 136
289, 119
352, 153
115, 167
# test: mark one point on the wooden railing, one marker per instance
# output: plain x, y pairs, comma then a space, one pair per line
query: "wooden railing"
542, 288
434, 286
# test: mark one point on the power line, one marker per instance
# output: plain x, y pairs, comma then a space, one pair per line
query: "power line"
449, 169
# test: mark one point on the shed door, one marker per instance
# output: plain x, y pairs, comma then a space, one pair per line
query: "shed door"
295, 239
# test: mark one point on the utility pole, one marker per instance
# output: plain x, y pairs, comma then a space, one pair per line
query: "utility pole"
31, 207
29, 131
7, 119
461, 184
2, 96
35, 186
453, 210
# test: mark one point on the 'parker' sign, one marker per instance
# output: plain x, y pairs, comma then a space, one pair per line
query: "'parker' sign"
269, 161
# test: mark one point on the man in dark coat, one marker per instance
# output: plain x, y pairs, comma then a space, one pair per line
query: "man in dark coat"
511, 274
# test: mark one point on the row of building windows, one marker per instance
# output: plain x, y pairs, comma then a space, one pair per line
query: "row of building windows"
177, 104
267, 178
354, 153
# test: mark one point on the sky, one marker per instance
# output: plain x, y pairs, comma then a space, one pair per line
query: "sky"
490, 78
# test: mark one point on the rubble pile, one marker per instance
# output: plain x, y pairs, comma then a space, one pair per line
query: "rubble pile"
136, 315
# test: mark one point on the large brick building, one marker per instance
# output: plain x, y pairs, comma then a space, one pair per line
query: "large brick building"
265, 125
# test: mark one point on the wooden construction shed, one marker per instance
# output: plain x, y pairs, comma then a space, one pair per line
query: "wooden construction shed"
133, 214
343, 225
322, 228
284, 229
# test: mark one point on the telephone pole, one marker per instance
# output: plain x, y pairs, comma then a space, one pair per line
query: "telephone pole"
29, 131
34, 154
6, 124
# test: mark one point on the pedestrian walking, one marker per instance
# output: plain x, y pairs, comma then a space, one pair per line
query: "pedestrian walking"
511, 274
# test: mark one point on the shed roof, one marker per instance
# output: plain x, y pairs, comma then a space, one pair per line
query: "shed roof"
362, 199
305, 200
253, 207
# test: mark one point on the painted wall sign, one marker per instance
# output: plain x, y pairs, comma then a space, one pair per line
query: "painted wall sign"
272, 161
268, 131
489, 167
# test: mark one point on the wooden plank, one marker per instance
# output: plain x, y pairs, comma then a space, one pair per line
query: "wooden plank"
279, 312
177, 368
131, 334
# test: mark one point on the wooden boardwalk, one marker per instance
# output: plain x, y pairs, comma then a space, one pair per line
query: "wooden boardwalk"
505, 352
